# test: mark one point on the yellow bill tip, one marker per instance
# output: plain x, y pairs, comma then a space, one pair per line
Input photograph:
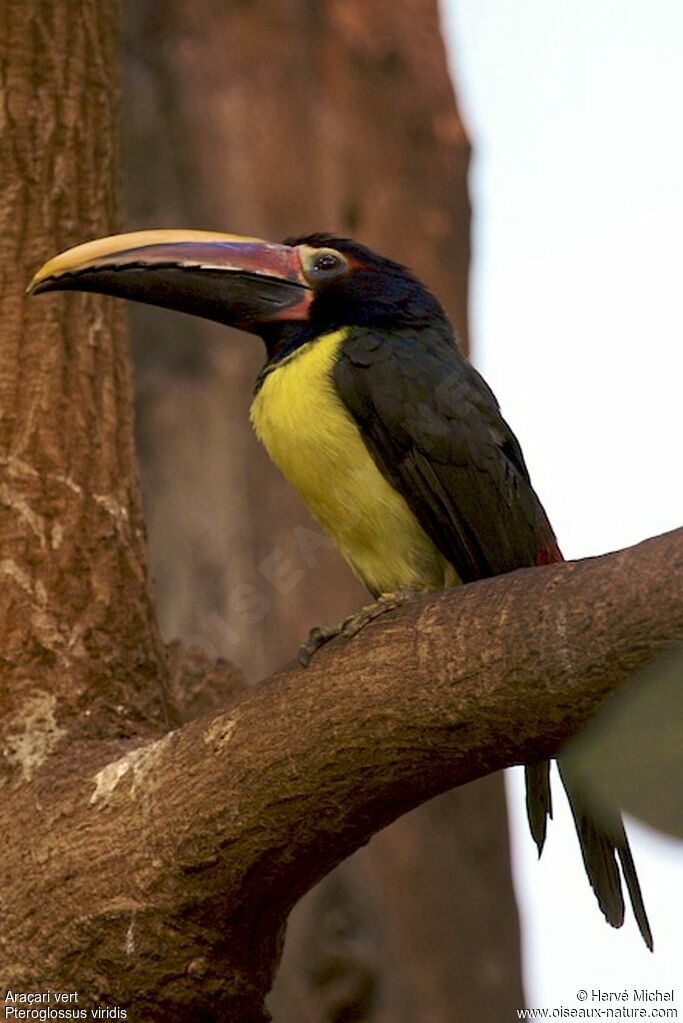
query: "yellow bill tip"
80, 257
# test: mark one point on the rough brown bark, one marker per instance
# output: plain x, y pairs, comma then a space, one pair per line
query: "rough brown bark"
382, 937
79, 638
155, 869
300, 771
278, 117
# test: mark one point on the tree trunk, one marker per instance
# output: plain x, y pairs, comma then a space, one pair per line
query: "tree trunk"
277, 118
150, 871
79, 634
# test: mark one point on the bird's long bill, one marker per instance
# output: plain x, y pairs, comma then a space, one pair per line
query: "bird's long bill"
243, 282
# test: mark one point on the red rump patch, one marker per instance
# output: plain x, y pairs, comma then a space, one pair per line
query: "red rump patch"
549, 553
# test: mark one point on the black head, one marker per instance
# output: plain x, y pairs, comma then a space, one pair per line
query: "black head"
353, 286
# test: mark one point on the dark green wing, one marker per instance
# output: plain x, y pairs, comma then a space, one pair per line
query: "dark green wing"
435, 431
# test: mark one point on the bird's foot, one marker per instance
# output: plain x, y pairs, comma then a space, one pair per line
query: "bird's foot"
321, 635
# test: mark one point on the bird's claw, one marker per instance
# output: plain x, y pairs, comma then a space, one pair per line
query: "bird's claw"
322, 634
317, 637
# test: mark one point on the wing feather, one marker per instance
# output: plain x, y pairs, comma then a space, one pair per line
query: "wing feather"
435, 431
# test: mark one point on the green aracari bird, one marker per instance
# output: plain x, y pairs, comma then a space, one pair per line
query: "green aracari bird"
365, 403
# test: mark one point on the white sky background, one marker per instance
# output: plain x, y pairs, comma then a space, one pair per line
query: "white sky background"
575, 109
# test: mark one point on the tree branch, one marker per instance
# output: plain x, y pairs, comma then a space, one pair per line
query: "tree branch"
156, 870
225, 822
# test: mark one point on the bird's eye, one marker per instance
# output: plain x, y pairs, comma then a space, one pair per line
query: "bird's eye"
323, 265
327, 262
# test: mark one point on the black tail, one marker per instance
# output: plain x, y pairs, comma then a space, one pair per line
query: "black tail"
539, 806
603, 842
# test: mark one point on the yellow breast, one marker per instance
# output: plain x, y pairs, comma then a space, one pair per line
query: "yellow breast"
315, 443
